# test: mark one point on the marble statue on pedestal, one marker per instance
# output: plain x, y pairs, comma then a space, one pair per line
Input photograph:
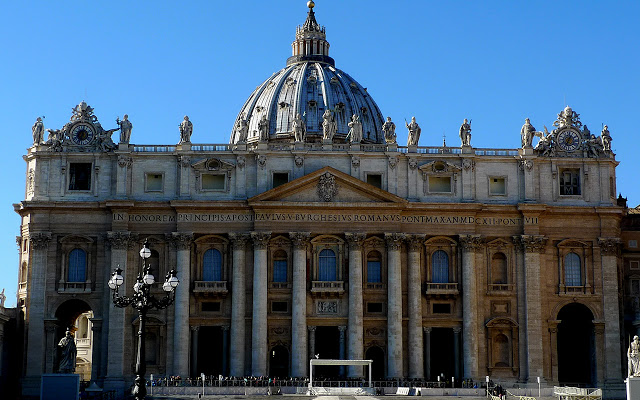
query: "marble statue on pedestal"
186, 129
414, 132
633, 354
263, 128
329, 125
527, 133
465, 133
389, 129
68, 352
38, 131
242, 130
125, 128
355, 129
605, 137
298, 128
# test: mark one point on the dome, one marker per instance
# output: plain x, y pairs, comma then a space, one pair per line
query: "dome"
309, 85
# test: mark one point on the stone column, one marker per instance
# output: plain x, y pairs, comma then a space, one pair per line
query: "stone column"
522, 314
533, 246
259, 349
299, 304
456, 352
119, 241
36, 306
609, 248
470, 245
225, 350
427, 352
342, 329
355, 330
96, 350
181, 348
394, 305
237, 348
312, 341
414, 306
194, 351
124, 163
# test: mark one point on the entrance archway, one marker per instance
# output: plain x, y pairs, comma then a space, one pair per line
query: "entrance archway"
210, 351
376, 354
328, 346
76, 315
279, 362
576, 346
442, 360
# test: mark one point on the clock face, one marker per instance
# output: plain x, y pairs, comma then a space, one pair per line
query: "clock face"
568, 140
82, 133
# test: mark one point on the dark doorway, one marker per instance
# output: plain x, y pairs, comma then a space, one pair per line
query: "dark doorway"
376, 354
210, 351
442, 353
327, 347
75, 315
279, 362
576, 349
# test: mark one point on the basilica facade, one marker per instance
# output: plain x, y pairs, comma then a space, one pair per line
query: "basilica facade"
313, 232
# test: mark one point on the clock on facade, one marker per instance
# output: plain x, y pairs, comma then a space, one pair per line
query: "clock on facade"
568, 140
82, 133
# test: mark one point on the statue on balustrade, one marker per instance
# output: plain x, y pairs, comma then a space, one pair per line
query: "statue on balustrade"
186, 129
389, 129
414, 132
465, 133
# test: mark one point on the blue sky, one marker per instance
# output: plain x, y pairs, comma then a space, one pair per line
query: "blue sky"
495, 62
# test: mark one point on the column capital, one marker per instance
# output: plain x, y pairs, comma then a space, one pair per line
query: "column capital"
427, 329
342, 328
260, 239
355, 239
239, 240
96, 324
120, 240
394, 240
300, 239
311, 328
415, 241
225, 328
182, 240
195, 328
39, 240
531, 243
609, 246
470, 243
124, 161
457, 330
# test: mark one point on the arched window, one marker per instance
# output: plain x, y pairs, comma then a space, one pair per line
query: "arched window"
327, 270
572, 270
499, 268
374, 267
440, 267
77, 266
280, 266
212, 266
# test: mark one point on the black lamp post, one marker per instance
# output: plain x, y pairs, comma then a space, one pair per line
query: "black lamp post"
143, 301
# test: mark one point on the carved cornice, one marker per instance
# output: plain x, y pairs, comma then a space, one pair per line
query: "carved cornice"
184, 161
239, 240
394, 240
300, 239
470, 243
532, 243
415, 242
260, 239
124, 161
393, 161
120, 240
39, 240
182, 240
355, 240
609, 246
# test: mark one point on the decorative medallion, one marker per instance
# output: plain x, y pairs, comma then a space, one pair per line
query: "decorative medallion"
327, 307
327, 187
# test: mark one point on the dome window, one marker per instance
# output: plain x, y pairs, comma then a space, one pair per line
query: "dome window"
283, 104
334, 81
312, 103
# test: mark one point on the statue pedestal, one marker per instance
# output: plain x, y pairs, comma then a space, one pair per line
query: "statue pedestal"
240, 147
633, 388
263, 146
123, 146
60, 387
392, 147
355, 147
186, 146
298, 145
467, 150
412, 149
526, 151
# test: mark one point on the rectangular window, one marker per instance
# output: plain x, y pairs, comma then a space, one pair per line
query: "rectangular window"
80, 176
279, 306
153, 182
497, 186
570, 182
441, 308
211, 306
439, 184
213, 181
280, 178
374, 308
375, 180
634, 264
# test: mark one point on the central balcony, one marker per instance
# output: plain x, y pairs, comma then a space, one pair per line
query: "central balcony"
449, 289
327, 288
211, 288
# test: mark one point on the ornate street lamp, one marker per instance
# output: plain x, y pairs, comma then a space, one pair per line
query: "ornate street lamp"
143, 301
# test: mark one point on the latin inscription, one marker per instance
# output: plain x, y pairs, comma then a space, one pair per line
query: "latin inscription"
327, 218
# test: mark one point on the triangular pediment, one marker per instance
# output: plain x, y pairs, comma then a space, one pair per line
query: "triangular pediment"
327, 185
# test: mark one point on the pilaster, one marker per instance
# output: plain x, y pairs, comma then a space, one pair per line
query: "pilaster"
609, 250
414, 306
259, 349
299, 304
237, 346
182, 242
471, 244
394, 305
